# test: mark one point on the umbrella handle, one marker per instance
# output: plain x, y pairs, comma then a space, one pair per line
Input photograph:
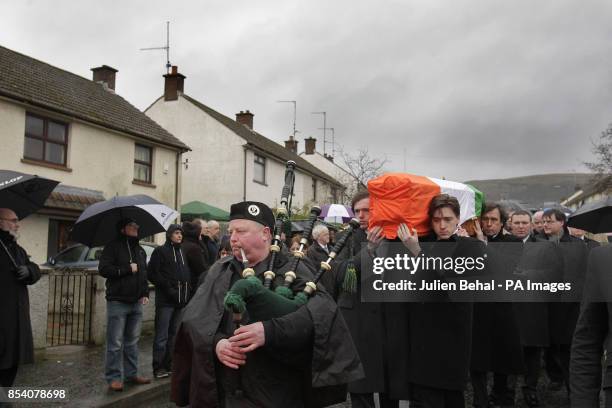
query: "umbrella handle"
9, 255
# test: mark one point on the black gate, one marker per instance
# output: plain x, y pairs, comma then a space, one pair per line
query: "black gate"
70, 310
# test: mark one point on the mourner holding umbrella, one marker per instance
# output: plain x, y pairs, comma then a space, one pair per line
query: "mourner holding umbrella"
118, 224
21, 195
290, 361
16, 272
593, 335
124, 265
170, 273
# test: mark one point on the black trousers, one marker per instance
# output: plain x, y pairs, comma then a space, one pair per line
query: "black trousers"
427, 397
533, 356
552, 365
7, 376
502, 393
366, 400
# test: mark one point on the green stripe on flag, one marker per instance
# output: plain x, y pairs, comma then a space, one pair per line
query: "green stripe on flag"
479, 200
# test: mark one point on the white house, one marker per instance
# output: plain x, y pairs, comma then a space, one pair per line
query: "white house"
230, 161
328, 164
62, 126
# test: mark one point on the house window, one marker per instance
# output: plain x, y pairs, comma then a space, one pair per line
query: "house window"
46, 140
143, 164
259, 169
334, 195
314, 189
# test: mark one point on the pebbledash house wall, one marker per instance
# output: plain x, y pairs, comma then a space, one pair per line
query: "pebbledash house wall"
97, 159
216, 164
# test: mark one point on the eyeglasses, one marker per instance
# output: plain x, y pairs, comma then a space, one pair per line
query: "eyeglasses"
13, 220
133, 225
549, 221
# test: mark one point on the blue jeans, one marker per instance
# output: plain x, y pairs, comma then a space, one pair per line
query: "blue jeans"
123, 323
166, 324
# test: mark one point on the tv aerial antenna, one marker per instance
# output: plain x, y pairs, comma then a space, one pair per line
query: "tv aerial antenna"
166, 48
294, 114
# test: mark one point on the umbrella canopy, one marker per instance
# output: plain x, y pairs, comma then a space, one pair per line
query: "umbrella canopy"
24, 193
595, 217
337, 213
98, 223
198, 209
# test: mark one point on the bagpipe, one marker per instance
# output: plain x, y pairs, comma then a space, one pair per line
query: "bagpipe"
263, 303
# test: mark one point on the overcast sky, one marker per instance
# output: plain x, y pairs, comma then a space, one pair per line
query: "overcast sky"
461, 89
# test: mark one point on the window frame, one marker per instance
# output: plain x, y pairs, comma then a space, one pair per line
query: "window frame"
45, 139
263, 163
143, 163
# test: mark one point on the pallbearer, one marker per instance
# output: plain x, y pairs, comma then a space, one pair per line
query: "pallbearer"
303, 359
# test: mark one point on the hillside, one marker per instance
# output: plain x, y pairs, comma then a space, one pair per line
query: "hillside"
532, 191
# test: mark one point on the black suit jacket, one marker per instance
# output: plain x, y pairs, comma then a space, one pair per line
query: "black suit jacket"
592, 335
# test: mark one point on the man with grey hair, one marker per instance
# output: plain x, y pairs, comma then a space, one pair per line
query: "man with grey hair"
214, 231
16, 272
319, 252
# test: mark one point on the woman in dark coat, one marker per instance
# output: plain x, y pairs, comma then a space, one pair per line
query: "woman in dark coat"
16, 272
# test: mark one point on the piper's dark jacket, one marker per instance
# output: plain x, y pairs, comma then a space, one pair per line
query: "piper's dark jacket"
307, 352
121, 284
169, 272
496, 345
593, 334
16, 344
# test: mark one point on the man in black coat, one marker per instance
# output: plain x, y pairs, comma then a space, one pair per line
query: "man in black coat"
16, 272
195, 255
319, 252
169, 272
496, 345
124, 265
366, 320
296, 360
440, 329
593, 335
538, 263
564, 311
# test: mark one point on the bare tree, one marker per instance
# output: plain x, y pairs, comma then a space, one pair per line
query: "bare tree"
602, 165
362, 167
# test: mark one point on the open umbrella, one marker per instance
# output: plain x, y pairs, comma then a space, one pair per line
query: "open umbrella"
97, 225
24, 193
595, 217
337, 213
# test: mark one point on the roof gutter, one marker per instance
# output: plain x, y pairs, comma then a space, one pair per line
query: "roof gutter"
12, 97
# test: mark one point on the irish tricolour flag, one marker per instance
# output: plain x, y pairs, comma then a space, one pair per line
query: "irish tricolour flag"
399, 197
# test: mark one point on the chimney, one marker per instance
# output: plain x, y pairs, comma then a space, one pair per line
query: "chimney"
105, 75
245, 118
291, 144
173, 85
310, 144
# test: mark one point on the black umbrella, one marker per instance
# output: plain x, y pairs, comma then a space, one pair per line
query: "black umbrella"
595, 217
24, 193
98, 223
